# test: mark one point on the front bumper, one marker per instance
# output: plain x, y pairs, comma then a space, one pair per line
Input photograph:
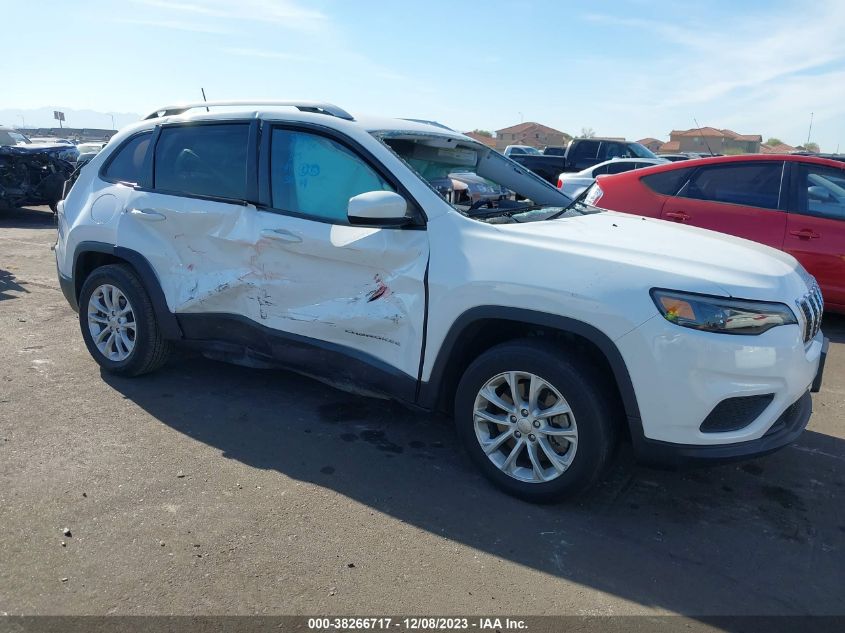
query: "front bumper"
681, 375
786, 429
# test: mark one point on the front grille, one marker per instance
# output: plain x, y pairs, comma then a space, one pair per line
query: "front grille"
736, 413
812, 307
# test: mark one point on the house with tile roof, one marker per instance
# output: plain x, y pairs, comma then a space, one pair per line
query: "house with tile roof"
709, 139
650, 143
781, 148
489, 141
531, 133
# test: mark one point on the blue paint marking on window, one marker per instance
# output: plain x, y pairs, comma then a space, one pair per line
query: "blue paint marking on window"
316, 176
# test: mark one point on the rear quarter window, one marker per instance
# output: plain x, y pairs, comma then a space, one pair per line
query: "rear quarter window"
755, 184
127, 163
667, 183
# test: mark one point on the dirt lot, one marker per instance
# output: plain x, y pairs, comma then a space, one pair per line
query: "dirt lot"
208, 488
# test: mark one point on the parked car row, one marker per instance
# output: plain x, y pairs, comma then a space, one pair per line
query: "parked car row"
59, 148
34, 170
793, 203
572, 184
293, 234
579, 155
32, 173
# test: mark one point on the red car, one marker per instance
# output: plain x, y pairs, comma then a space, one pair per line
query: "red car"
792, 203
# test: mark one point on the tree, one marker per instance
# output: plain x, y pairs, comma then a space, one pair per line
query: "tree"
812, 147
587, 132
483, 133
774, 141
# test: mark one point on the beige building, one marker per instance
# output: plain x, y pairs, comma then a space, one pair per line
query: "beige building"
782, 148
651, 144
489, 141
530, 133
709, 139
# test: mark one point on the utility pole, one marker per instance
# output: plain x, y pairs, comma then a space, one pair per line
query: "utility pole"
112, 120
811, 128
23, 121
521, 118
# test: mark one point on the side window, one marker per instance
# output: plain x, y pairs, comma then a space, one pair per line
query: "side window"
821, 191
613, 150
620, 166
127, 163
203, 160
315, 176
754, 184
667, 183
598, 171
586, 150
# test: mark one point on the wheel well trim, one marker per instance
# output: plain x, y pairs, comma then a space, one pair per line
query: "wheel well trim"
430, 390
167, 322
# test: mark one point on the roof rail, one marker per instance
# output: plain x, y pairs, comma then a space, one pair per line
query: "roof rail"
427, 122
303, 106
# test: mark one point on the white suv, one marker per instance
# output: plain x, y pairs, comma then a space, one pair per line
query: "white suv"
292, 234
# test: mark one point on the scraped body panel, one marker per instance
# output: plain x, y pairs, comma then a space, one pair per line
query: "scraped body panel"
357, 287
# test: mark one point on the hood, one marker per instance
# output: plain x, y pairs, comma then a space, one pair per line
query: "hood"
671, 256
42, 147
468, 177
575, 177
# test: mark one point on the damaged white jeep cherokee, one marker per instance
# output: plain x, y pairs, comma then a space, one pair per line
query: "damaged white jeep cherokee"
291, 234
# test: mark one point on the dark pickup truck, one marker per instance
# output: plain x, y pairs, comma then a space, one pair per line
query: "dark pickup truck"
581, 153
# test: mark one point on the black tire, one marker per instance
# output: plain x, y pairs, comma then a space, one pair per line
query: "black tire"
584, 389
150, 350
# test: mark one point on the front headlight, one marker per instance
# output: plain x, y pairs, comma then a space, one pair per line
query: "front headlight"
720, 314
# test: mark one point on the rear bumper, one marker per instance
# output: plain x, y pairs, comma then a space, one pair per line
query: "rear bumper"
68, 290
786, 429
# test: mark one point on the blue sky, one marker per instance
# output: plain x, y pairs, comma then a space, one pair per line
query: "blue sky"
636, 68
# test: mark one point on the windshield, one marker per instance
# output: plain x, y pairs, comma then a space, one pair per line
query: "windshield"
477, 181
8, 137
524, 149
641, 151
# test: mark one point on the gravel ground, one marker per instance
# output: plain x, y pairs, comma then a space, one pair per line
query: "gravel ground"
209, 489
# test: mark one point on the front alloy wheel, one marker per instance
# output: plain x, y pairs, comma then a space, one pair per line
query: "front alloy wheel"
516, 408
525, 426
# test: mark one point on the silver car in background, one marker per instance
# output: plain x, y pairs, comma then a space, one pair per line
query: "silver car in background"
573, 184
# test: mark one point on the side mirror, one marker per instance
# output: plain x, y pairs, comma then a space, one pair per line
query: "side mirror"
821, 194
378, 208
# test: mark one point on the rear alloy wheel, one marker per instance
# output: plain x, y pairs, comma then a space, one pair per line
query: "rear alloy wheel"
537, 421
111, 322
118, 322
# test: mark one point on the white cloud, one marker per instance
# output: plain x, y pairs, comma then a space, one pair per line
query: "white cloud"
285, 13
760, 74
264, 54
175, 25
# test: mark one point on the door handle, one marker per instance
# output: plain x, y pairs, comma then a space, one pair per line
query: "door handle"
805, 234
678, 216
282, 235
150, 215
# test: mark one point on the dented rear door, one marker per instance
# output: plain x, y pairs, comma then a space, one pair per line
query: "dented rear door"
291, 274
191, 221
